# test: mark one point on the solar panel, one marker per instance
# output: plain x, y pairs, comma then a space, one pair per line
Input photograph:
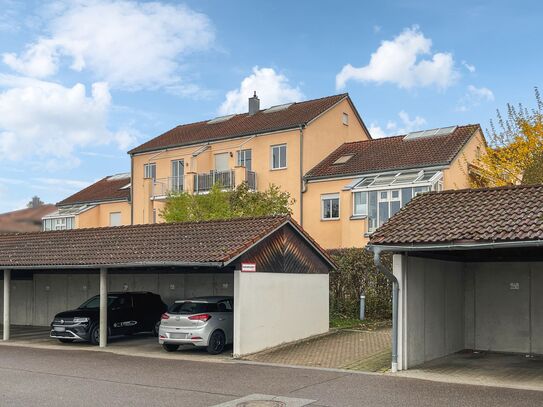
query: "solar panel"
442, 131
278, 108
220, 119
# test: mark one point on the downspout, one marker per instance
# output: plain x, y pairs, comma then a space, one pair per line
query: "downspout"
395, 291
302, 181
131, 189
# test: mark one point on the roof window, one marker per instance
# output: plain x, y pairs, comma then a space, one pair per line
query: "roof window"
343, 159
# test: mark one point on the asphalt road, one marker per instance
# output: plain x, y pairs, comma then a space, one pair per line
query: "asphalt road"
43, 377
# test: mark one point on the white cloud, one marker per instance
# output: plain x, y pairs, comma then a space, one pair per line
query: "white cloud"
473, 97
127, 44
401, 62
469, 67
49, 122
406, 125
272, 88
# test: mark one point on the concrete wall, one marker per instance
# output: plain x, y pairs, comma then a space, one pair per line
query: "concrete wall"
431, 309
275, 308
504, 307
35, 302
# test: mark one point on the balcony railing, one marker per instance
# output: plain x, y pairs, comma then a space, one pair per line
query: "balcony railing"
165, 186
225, 179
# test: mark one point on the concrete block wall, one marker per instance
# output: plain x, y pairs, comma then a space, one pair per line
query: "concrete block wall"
35, 302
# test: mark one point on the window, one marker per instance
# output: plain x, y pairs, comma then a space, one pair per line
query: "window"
330, 206
419, 190
279, 156
222, 162
178, 172
345, 119
360, 207
245, 159
115, 219
343, 159
63, 223
149, 171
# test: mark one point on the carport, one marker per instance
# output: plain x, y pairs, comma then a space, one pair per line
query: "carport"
270, 266
468, 265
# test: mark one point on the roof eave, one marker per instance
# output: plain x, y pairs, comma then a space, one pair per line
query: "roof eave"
452, 246
114, 265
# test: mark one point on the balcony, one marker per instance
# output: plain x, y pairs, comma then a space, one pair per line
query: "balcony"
226, 179
165, 186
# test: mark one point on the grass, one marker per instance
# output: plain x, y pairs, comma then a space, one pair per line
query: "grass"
341, 322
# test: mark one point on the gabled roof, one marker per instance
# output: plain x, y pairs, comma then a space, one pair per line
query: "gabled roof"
393, 153
25, 220
212, 244
503, 214
240, 125
110, 188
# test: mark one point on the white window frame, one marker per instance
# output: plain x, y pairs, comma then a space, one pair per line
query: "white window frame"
278, 146
330, 197
147, 172
360, 215
242, 158
345, 118
120, 220
59, 223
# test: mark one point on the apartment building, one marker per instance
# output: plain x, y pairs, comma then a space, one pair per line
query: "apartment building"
345, 184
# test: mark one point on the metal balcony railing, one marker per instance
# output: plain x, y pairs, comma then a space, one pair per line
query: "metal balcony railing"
204, 182
165, 186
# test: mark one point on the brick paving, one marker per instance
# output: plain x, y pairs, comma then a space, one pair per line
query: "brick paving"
343, 349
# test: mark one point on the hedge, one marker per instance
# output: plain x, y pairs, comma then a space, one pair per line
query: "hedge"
357, 274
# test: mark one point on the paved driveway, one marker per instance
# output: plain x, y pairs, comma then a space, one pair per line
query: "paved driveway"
46, 377
343, 349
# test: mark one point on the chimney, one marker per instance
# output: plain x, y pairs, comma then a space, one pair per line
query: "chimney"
254, 104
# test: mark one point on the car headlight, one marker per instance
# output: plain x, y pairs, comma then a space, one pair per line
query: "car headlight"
83, 319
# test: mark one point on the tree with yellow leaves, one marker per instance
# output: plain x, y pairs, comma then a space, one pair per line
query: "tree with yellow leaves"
514, 154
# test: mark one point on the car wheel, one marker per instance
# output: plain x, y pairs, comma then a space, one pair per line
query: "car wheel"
217, 341
170, 347
64, 340
156, 328
94, 335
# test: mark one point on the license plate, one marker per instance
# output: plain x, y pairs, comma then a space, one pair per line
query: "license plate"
178, 336
59, 329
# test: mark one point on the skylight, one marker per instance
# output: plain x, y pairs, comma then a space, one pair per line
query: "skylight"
118, 176
278, 108
343, 159
442, 131
220, 119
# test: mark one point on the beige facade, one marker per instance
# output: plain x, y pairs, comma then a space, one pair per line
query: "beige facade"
304, 149
104, 214
348, 230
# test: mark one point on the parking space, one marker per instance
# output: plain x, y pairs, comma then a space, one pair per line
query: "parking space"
145, 345
483, 368
342, 349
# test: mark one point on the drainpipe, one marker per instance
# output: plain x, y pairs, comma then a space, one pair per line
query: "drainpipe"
395, 292
302, 182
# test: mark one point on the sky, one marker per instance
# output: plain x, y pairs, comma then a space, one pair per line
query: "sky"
81, 82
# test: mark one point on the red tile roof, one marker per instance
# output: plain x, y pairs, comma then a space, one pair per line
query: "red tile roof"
25, 220
241, 125
469, 215
393, 153
170, 244
110, 188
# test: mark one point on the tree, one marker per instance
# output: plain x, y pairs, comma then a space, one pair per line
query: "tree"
514, 154
220, 204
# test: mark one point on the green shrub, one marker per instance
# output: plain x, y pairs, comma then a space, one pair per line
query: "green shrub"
356, 275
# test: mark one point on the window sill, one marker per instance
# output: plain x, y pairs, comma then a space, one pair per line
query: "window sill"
358, 217
278, 169
329, 219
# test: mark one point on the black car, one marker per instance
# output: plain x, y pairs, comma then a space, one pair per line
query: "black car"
127, 313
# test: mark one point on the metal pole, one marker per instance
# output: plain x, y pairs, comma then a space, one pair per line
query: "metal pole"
7, 283
103, 307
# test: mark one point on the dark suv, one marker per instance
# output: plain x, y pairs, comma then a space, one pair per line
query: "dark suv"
127, 313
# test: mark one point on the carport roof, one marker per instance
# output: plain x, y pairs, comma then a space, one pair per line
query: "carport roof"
211, 244
467, 217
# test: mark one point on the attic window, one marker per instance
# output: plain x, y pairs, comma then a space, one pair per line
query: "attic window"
278, 108
345, 119
343, 159
220, 119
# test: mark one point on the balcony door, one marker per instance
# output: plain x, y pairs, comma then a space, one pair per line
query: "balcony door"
178, 172
222, 162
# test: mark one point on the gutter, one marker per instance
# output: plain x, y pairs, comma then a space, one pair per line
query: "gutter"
455, 246
121, 265
302, 181
395, 292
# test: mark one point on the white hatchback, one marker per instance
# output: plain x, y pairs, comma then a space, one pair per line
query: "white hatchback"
201, 321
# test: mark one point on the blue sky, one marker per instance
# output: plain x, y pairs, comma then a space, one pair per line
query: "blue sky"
83, 81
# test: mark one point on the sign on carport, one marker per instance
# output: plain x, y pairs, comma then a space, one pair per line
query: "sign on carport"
248, 267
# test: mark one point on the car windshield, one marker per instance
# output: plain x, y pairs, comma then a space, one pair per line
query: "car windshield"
191, 307
94, 302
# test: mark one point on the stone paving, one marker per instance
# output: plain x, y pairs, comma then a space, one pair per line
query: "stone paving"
341, 349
